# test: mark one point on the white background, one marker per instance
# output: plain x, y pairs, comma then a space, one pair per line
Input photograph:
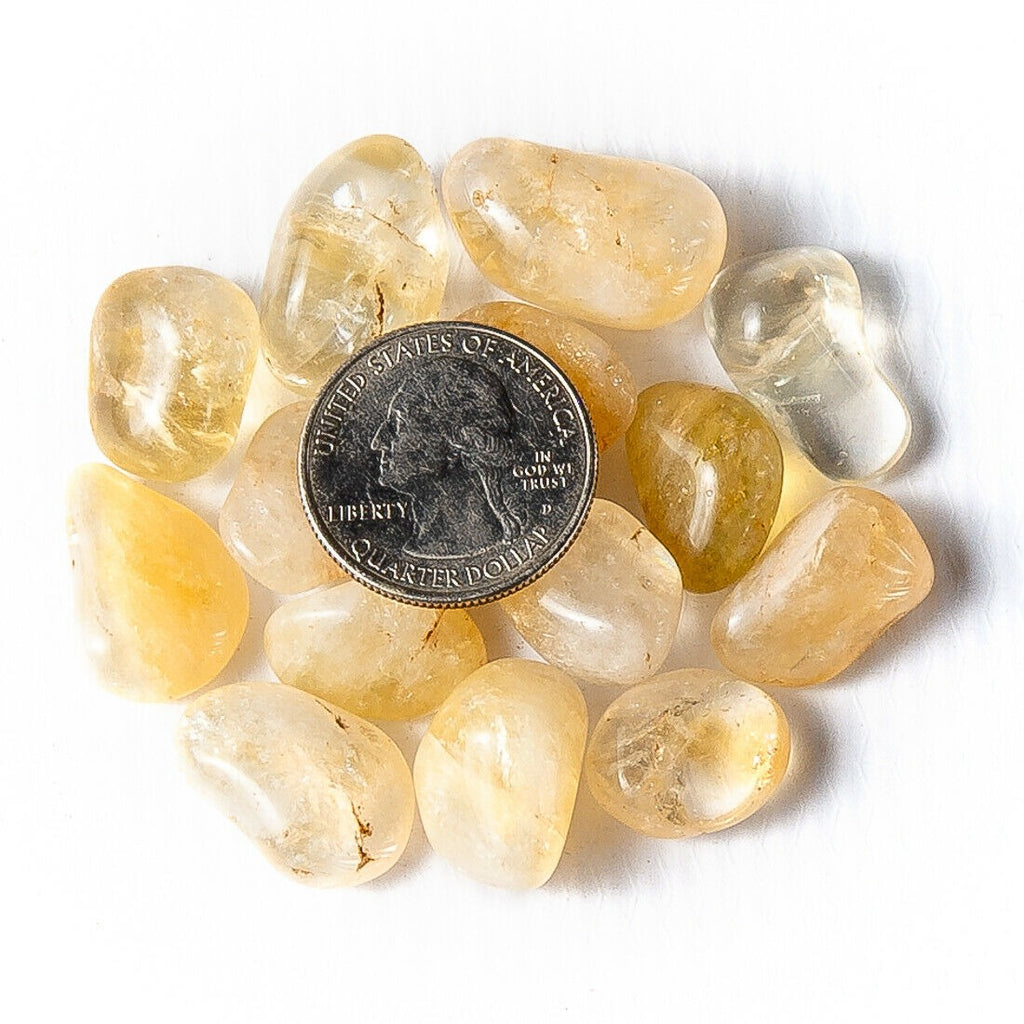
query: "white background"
883, 881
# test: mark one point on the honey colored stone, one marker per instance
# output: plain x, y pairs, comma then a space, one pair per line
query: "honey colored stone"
171, 359
326, 797
839, 575
687, 752
496, 773
625, 243
788, 327
608, 611
598, 373
372, 655
360, 250
708, 471
262, 521
162, 603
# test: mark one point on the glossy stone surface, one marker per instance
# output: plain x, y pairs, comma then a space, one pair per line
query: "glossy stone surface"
687, 752
839, 575
170, 363
594, 367
360, 249
708, 471
162, 603
608, 611
326, 797
496, 773
372, 655
613, 241
788, 327
262, 521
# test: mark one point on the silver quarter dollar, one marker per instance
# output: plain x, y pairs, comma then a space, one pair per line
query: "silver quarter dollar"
447, 464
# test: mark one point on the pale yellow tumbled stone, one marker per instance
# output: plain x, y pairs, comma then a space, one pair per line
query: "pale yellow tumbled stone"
613, 241
497, 772
374, 656
361, 249
262, 521
163, 604
326, 797
839, 575
686, 753
600, 376
171, 358
608, 611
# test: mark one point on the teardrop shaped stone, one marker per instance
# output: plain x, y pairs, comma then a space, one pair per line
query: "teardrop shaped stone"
598, 373
163, 604
170, 363
625, 243
788, 327
497, 772
374, 656
326, 797
687, 752
361, 249
708, 471
837, 577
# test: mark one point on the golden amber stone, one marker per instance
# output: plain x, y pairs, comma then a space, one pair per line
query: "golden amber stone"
687, 752
839, 575
497, 772
625, 243
372, 655
326, 796
360, 250
163, 603
708, 471
171, 358
594, 367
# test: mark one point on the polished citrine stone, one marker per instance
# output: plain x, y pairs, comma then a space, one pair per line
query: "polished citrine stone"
163, 604
708, 471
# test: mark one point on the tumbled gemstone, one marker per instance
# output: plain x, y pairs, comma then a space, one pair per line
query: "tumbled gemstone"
170, 362
372, 655
708, 471
163, 604
608, 611
496, 773
687, 752
620, 242
839, 575
360, 250
594, 367
326, 797
262, 521
788, 327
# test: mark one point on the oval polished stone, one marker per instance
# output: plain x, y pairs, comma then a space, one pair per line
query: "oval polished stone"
360, 250
372, 655
594, 367
839, 575
608, 611
708, 471
687, 752
170, 363
262, 521
497, 771
788, 327
625, 243
163, 604
326, 797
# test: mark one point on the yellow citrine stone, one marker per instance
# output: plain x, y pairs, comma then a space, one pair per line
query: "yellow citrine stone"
163, 604
708, 471
613, 241
839, 575
171, 358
